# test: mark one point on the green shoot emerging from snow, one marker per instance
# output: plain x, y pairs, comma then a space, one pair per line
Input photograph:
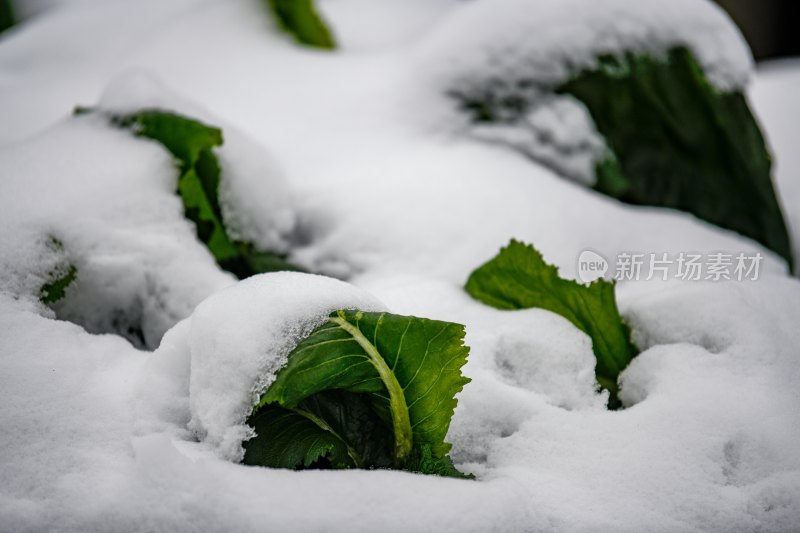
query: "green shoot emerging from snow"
519, 278
364, 390
300, 19
60, 277
55, 290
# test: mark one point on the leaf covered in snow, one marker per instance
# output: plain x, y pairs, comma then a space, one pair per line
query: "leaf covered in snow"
678, 142
61, 277
658, 134
364, 390
192, 144
519, 278
55, 290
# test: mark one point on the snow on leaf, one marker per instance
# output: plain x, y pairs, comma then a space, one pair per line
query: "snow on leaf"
59, 278
519, 278
192, 144
382, 385
678, 142
658, 134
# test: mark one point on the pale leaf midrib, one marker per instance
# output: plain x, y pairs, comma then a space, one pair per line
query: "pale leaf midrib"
397, 402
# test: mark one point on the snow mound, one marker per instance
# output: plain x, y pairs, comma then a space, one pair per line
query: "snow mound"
515, 53
545, 42
239, 338
113, 214
99, 436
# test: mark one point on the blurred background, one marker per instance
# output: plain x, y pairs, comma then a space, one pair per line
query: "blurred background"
770, 26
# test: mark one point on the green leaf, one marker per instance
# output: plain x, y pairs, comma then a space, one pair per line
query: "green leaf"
7, 18
192, 143
249, 261
519, 278
55, 290
297, 440
382, 384
60, 277
675, 141
425, 462
300, 19
678, 142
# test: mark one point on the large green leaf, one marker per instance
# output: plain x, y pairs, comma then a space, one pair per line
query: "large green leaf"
297, 440
300, 19
519, 278
674, 140
379, 385
679, 142
192, 143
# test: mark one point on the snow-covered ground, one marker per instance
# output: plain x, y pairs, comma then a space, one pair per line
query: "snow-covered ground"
357, 165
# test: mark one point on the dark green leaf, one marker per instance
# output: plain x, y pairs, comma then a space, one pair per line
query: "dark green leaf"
519, 278
249, 261
295, 441
55, 290
60, 277
678, 142
384, 384
300, 19
360, 420
7, 18
675, 141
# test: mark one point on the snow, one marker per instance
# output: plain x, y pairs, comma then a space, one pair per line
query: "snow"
547, 43
362, 25
353, 163
774, 97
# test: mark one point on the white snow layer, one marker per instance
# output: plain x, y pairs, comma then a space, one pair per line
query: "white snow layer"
348, 162
257, 204
548, 41
530, 47
110, 200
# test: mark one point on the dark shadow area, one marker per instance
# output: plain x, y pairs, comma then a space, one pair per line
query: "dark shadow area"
768, 25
